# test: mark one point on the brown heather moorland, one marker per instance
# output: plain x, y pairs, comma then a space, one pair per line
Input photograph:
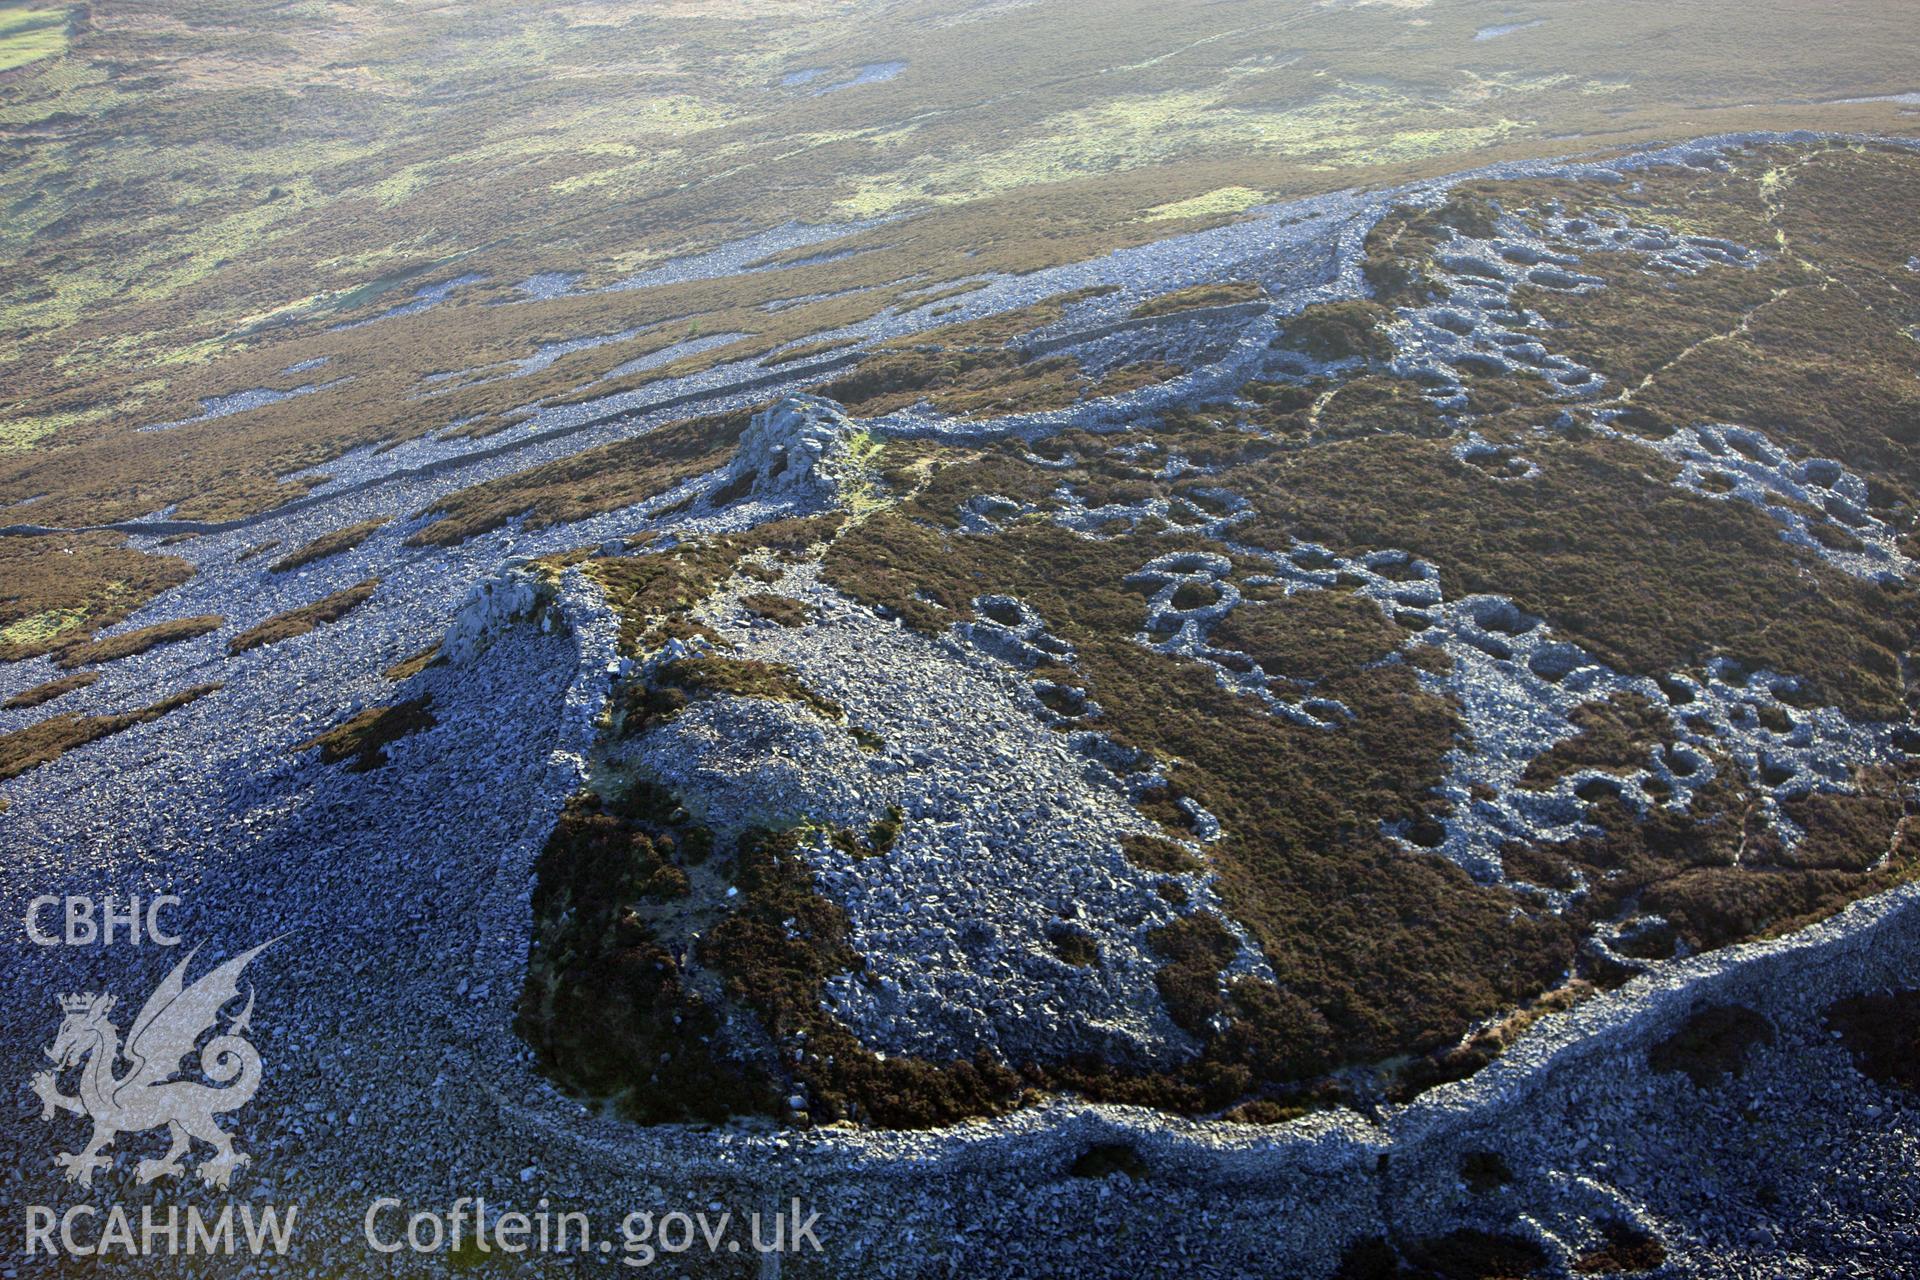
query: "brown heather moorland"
1380, 955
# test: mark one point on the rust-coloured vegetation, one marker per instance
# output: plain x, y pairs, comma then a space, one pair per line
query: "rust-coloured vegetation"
1381, 954
129, 643
1225, 293
1623, 1248
1713, 1044
41, 694
1883, 1034
360, 742
335, 543
53, 737
298, 622
586, 483
58, 588
783, 610
413, 664
605, 1005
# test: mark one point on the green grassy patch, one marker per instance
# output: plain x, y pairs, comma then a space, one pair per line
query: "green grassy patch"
27, 35
654, 592
1338, 331
413, 664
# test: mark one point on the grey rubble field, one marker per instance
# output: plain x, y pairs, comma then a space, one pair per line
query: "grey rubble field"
385, 1012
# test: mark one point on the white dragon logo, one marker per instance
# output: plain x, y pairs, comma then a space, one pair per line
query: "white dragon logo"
146, 1095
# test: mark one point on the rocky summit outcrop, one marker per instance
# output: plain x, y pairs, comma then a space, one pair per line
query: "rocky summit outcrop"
798, 448
516, 593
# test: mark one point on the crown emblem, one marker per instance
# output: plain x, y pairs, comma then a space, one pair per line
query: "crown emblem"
80, 1003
